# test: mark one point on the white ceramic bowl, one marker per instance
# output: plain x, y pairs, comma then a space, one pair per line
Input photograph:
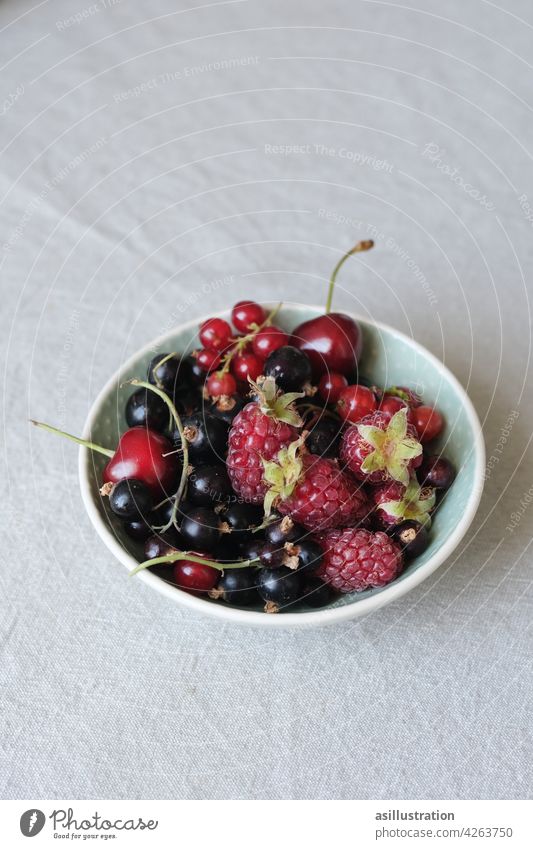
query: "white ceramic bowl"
389, 358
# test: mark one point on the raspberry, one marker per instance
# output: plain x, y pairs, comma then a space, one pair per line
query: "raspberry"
313, 491
396, 503
381, 448
356, 559
325, 498
258, 433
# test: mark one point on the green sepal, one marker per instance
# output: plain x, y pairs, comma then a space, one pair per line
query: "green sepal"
393, 448
411, 505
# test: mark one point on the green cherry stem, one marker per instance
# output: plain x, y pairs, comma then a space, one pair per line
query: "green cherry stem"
184, 444
360, 246
108, 452
193, 558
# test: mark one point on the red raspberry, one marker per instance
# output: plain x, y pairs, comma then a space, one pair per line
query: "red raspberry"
382, 448
356, 559
258, 433
396, 503
324, 497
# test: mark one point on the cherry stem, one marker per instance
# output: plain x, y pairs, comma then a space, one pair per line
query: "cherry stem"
245, 340
193, 558
184, 444
360, 246
108, 452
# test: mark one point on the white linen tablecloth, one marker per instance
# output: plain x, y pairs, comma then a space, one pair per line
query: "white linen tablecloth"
147, 150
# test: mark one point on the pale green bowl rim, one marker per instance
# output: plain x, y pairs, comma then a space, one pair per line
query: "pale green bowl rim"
304, 619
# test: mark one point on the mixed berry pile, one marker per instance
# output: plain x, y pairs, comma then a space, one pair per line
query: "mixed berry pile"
264, 469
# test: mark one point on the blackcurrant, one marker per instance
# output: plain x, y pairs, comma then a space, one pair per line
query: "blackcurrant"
209, 485
200, 529
316, 593
412, 536
324, 438
170, 372
207, 437
130, 499
251, 547
238, 587
242, 517
138, 529
278, 533
146, 409
271, 555
279, 587
227, 408
290, 368
436, 471
160, 544
310, 555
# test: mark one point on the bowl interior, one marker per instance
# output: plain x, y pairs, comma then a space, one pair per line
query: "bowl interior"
389, 358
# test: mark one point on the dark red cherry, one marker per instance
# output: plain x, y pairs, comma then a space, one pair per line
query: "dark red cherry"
333, 342
195, 577
141, 454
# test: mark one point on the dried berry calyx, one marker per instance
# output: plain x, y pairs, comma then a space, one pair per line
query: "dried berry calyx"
276, 404
393, 448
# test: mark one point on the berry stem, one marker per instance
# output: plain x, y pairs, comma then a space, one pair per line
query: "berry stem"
180, 492
108, 452
193, 558
360, 246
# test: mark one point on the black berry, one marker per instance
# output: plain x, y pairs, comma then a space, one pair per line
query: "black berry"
209, 485
130, 499
279, 587
200, 529
290, 368
146, 409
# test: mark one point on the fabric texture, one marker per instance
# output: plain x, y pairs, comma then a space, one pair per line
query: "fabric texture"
160, 162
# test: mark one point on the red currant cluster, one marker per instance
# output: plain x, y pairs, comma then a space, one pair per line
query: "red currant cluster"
229, 360
264, 469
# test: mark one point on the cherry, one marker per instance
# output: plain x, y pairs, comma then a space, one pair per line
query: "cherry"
246, 366
428, 423
195, 577
208, 360
332, 341
330, 387
146, 455
355, 402
392, 403
245, 314
269, 339
221, 383
215, 334
436, 471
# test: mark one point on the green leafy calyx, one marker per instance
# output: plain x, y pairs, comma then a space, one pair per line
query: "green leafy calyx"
393, 448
